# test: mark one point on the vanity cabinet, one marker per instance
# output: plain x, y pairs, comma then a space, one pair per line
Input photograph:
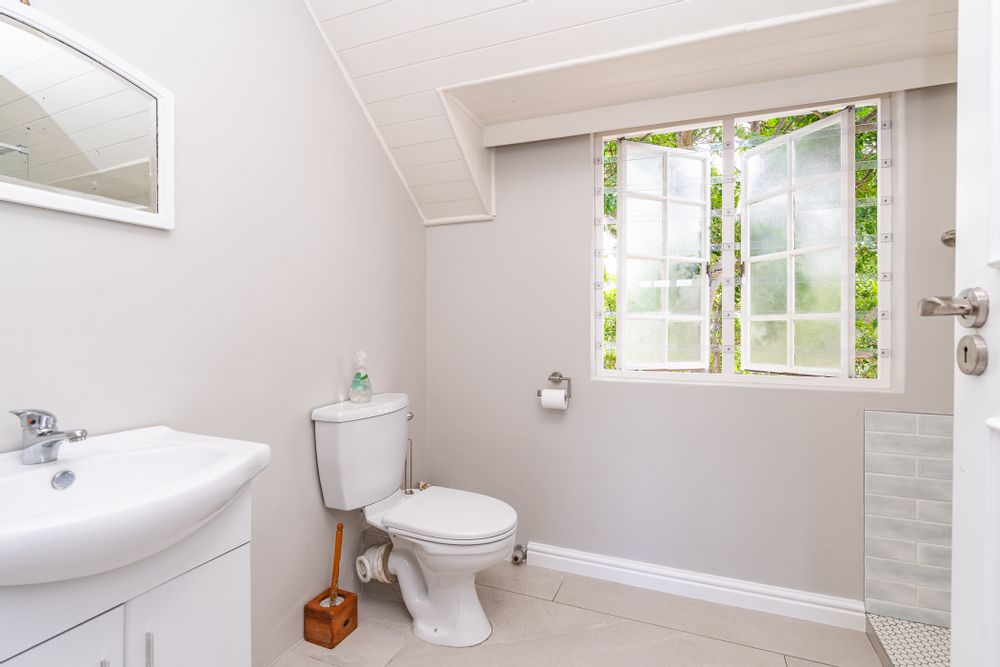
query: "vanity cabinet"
99, 642
199, 619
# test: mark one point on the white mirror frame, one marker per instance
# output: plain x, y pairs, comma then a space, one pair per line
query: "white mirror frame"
163, 218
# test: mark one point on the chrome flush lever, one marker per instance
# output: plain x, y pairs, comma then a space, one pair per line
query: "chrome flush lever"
971, 306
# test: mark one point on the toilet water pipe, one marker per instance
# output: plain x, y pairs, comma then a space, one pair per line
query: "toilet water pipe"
403, 564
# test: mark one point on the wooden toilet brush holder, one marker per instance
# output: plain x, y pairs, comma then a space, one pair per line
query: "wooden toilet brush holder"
329, 625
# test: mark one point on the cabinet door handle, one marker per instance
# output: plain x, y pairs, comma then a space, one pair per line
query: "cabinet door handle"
149, 649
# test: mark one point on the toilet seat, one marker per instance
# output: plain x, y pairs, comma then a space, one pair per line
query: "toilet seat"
446, 516
437, 540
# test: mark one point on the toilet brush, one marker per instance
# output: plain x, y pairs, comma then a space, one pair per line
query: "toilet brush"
334, 599
333, 614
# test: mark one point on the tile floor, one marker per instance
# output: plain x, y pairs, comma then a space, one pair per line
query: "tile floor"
544, 617
910, 644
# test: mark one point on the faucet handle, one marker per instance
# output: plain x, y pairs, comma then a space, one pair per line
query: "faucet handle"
41, 420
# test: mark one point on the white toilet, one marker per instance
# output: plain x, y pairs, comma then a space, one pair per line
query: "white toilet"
440, 537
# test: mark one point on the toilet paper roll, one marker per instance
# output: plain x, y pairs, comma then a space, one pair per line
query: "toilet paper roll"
554, 399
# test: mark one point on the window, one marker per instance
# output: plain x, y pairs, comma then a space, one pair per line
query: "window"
747, 248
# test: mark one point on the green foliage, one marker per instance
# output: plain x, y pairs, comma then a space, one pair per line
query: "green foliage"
610, 322
610, 307
611, 180
866, 245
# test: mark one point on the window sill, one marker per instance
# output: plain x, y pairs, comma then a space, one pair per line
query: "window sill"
879, 386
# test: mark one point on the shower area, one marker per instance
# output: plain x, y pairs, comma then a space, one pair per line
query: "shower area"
908, 512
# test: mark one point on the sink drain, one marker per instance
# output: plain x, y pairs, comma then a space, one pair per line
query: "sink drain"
63, 479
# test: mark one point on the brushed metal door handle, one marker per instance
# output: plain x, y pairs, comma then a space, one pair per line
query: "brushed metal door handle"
971, 306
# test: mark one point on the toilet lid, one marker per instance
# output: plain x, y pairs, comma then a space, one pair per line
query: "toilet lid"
450, 514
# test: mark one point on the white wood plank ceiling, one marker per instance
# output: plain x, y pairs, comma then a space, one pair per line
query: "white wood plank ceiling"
443, 80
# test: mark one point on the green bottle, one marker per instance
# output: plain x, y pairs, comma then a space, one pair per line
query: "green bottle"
361, 386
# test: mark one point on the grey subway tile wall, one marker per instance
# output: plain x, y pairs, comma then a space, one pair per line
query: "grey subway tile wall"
908, 469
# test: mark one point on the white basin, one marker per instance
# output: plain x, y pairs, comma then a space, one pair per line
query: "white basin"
136, 493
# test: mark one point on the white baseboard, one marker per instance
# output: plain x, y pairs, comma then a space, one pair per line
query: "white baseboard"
839, 612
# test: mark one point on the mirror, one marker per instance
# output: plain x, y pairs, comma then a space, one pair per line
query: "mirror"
79, 131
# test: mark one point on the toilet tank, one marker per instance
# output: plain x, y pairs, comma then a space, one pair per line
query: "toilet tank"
361, 449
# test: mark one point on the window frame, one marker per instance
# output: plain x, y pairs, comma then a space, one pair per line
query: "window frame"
888, 245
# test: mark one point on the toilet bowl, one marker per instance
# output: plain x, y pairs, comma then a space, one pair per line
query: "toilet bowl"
441, 537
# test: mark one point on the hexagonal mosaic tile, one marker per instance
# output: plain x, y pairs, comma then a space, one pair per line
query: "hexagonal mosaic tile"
910, 644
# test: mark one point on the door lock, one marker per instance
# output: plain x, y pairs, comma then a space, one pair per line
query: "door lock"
972, 355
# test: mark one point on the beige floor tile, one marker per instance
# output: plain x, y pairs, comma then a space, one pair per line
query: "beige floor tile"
799, 662
386, 612
383, 590
530, 631
384, 627
295, 659
537, 582
813, 641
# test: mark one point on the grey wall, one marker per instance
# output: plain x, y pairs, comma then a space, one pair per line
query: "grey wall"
295, 245
763, 484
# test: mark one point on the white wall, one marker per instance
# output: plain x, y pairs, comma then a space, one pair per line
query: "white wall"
762, 484
295, 245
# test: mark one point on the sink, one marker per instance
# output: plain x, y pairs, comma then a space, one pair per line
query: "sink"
134, 494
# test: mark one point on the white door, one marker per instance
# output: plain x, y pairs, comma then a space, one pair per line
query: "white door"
976, 539
199, 619
96, 643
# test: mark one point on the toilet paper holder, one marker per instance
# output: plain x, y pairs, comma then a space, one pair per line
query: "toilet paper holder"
558, 378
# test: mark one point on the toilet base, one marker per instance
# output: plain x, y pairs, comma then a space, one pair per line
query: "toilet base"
454, 617
438, 583
454, 641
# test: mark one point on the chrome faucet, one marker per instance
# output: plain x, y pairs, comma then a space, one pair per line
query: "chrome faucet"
40, 441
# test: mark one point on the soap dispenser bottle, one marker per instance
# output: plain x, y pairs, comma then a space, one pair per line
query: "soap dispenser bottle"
361, 386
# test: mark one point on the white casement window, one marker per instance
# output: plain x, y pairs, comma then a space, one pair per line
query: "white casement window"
798, 220
747, 248
666, 206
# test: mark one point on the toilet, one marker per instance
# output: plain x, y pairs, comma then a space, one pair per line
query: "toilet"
441, 537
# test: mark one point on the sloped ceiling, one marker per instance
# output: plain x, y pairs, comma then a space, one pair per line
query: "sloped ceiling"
443, 80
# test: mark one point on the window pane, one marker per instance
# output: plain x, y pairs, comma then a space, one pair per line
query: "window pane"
818, 281
818, 214
644, 218
769, 287
685, 288
643, 168
686, 222
768, 222
817, 343
769, 343
766, 171
684, 341
645, 342
645, 286
686, 178
818, 153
